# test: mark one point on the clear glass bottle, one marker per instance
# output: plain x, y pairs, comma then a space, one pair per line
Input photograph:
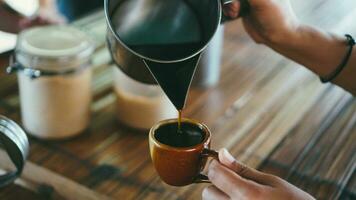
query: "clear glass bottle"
54, 75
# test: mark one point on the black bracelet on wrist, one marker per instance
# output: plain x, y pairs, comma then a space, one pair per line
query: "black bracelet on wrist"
351, 43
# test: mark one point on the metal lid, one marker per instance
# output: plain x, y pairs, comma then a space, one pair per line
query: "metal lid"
53, 48
7, 41
25, 8
15, 143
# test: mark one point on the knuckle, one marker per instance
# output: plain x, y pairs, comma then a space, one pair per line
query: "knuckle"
213, 168
273, 178
251, 191
257, 193
278, 180
240, 169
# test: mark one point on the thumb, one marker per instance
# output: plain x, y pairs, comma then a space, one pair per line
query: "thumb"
244, 171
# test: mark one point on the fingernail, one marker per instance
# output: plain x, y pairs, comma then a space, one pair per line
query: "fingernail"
228, 156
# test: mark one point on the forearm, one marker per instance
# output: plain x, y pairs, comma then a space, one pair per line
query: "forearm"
321, 52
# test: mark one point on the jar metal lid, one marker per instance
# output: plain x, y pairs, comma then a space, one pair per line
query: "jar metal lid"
15, 143
54, 48
25, 8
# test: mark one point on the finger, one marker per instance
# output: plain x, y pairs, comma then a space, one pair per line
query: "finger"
241, 169
229, 182
213, 193
232, 9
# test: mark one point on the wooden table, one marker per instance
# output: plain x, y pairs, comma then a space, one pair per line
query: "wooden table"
269, 112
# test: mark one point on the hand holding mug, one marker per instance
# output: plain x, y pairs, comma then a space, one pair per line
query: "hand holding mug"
234, 180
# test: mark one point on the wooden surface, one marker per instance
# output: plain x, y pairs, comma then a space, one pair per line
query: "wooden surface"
271, 113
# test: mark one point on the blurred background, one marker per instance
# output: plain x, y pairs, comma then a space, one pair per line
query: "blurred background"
16, 15
271, 113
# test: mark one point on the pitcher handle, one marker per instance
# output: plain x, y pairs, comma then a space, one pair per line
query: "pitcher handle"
244, 9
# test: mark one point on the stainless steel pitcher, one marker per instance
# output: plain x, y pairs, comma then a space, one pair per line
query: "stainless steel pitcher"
160, 41
123, 13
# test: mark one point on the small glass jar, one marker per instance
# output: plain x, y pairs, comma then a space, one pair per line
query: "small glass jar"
15, 143
54, 75
140, 105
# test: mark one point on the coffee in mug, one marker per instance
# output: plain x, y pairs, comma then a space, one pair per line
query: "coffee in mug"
187, 135
179, 155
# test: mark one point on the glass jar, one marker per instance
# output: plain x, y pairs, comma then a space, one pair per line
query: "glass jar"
54, 75
140, 105
207, 73
15, 143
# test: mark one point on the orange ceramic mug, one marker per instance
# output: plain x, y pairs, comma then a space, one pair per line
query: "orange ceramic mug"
180, 166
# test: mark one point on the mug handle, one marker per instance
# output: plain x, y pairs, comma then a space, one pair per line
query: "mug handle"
244, 9
201, 178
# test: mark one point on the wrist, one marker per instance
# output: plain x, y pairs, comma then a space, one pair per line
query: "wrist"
315, 49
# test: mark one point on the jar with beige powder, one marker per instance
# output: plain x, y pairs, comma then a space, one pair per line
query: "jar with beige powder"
140, 105
54, 75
